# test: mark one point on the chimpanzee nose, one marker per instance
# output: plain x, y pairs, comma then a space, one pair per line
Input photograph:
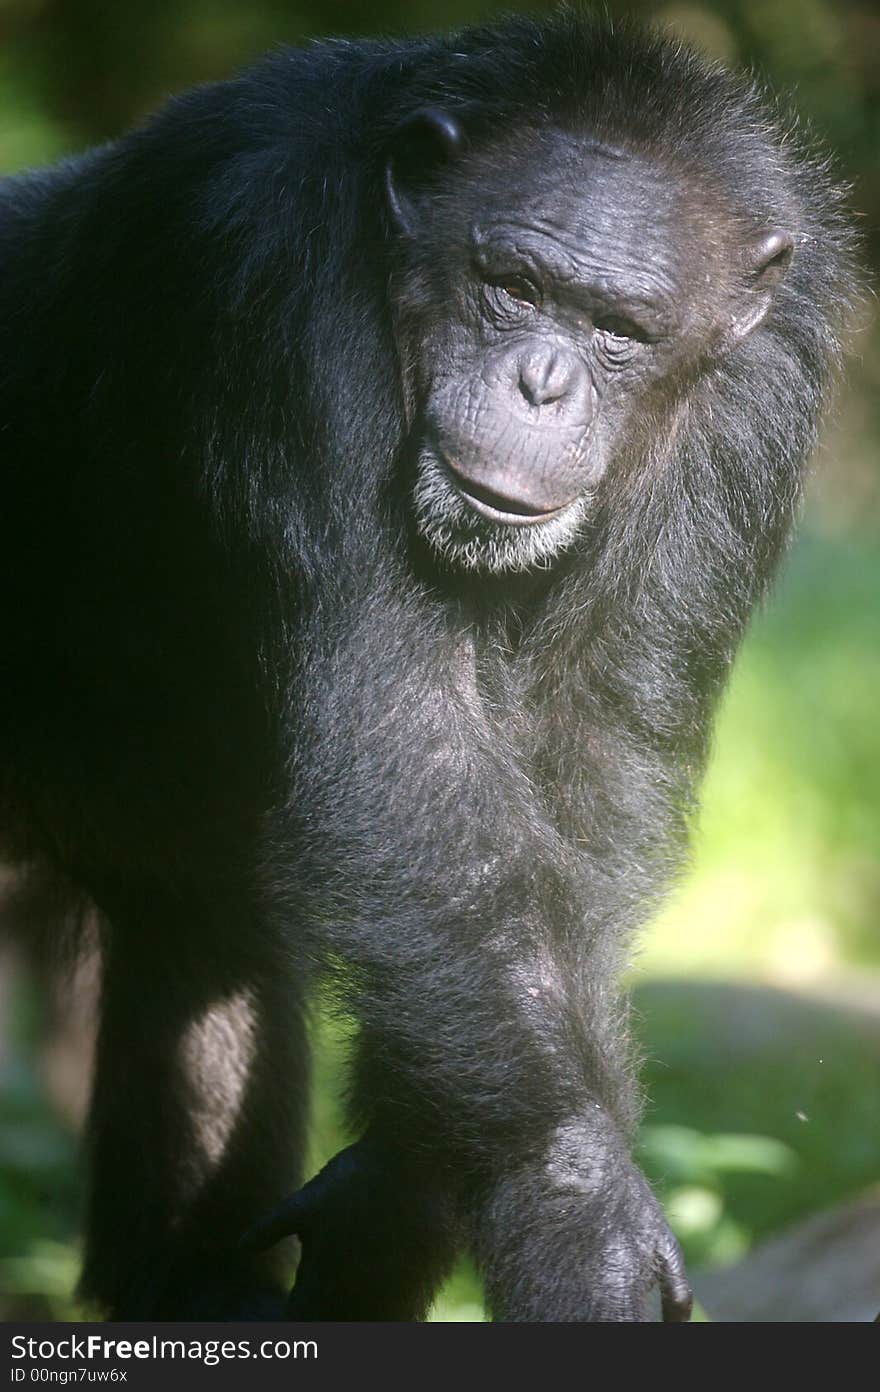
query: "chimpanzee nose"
547, 375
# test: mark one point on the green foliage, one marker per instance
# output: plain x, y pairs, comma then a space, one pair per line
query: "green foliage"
39, 1199
786, 872
763, 1100
695, 1167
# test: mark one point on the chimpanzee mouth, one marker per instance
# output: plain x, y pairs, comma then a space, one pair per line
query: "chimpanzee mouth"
497, 507
478, 529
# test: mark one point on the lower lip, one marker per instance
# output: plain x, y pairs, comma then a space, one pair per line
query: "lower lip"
495, 514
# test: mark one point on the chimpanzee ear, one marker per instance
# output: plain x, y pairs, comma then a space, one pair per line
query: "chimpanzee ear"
765, 260
423, 142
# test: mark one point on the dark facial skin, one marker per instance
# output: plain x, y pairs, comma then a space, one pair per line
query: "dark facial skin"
571, 319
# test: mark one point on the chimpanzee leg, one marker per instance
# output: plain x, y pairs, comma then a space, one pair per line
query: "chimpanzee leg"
197, 1114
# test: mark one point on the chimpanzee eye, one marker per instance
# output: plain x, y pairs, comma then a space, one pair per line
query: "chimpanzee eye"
519, 289
618, 326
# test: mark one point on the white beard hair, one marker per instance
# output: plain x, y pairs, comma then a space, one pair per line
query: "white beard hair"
476, 543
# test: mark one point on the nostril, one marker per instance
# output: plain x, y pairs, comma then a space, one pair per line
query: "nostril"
546, 377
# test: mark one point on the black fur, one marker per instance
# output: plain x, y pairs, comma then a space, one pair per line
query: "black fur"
276, 738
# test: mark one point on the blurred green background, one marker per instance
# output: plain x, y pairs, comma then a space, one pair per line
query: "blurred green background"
758, 990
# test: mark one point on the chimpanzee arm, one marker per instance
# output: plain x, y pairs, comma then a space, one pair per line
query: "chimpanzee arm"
492, 1073
486, 1131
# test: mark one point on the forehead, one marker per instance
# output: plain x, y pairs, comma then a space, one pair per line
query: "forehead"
584, 208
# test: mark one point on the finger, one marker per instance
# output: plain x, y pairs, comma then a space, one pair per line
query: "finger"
292, 1216
297, 1211
677, 1298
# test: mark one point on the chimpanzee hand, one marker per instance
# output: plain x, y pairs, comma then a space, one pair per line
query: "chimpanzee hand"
376, 1235
583, 1240
637, 1253
377, 1240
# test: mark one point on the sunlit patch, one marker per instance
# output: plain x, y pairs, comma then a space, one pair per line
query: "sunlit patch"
575, 1165
216, 1055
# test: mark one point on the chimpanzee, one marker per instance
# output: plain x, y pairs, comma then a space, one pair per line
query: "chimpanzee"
395, 441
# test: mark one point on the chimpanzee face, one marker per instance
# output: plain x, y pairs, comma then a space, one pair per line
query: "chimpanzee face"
566, 301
